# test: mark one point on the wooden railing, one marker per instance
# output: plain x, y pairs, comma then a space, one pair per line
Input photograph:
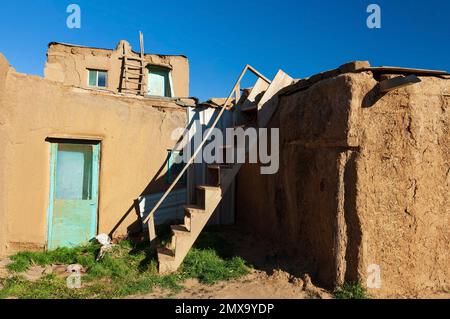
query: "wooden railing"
236, 91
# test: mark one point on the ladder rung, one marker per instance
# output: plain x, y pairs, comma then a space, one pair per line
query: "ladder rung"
134, 73
129, 91
134, 59
137, 67
135, 82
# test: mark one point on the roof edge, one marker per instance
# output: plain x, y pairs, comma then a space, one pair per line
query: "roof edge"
358, 67
97, 48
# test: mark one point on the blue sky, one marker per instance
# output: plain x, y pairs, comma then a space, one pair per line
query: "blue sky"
220, 37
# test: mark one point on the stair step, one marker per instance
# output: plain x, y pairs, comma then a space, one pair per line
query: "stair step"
209, 188
165, 253
188, 220
207, 195
193, 208
251, 108
180, 230
220, 166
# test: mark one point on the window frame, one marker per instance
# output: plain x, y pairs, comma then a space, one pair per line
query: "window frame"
96, 78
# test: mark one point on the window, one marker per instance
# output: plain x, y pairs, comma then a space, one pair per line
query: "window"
97, 78
159, 81
74, 172
174, 167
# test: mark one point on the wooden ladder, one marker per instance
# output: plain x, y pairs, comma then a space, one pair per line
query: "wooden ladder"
133, 71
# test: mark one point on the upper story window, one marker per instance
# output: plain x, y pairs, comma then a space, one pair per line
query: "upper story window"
159, 81
97, 78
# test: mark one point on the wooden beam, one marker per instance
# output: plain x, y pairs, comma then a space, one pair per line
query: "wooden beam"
151, 227
398, 82
255, 72
237, 93
141, 42
392, 70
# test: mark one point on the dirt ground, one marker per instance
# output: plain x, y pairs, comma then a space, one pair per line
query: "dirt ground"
273, 276
256, 285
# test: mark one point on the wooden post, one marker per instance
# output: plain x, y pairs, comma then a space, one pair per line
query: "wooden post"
141, 42
151, 230
237, 93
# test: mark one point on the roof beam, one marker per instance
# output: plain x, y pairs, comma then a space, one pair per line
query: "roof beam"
398, 82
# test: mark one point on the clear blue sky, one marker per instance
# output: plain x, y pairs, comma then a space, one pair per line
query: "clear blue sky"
220, 37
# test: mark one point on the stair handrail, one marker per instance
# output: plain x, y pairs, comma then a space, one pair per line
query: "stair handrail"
205, 139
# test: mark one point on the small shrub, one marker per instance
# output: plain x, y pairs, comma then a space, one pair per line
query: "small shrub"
352, 291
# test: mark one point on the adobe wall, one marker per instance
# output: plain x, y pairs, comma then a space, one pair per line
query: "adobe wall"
364, 179
4, 68
68, 64
134, 133
404, 184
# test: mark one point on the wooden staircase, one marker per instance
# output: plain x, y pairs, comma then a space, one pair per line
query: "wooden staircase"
196, 216
219, 177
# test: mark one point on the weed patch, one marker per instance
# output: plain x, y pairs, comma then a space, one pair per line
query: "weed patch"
352, 291
84, 255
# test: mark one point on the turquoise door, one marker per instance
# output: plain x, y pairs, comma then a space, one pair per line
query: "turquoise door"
73, 205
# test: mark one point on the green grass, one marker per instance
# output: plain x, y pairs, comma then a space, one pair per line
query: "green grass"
209, 268
128, 269
352, 291
82, 255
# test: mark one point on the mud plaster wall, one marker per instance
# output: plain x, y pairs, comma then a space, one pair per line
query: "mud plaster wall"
363, 179
69, 64
134, 132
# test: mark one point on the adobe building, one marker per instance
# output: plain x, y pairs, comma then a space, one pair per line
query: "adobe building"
77, 149
85, 67
363, 180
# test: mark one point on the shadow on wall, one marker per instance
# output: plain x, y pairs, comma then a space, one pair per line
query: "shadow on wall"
300, 214
157, 181
372, 97
307, 209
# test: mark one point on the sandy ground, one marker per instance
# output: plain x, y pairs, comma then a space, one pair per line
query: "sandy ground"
256, 285
3, 271
272, 276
